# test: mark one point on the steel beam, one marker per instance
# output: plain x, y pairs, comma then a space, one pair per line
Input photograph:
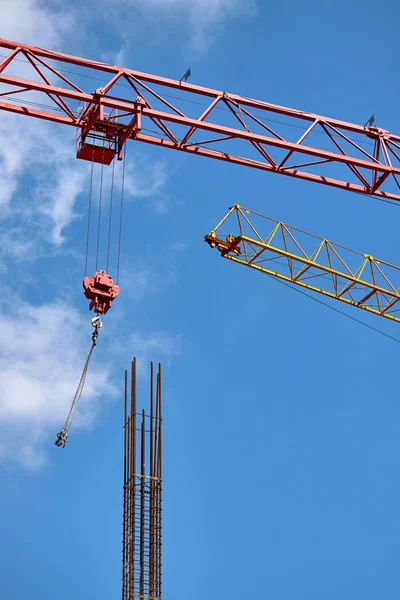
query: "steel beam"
196, 123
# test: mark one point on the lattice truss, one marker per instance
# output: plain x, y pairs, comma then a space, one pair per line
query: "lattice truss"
194, 119
304, 259
141, 552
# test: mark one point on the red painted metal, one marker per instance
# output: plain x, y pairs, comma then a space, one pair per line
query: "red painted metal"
202, 121
101, 290
98, 154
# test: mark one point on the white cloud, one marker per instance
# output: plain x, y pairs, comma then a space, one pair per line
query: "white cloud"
18, 140
33, 22
14, 243
145, 178
42, 353
45, 152
118, 57
43, 348
58, 201
156, 346
47, 158
141, 282
202, 15
32, 148
65, 178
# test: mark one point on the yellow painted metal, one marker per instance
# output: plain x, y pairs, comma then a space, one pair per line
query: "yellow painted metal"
298, 257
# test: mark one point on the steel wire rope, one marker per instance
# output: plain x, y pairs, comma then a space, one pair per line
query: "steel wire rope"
295, 289
79, 390
100, 206
89, 213
120, 213
110, 218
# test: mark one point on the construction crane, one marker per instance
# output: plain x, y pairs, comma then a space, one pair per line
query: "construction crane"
297, 257
130, 105
174, 114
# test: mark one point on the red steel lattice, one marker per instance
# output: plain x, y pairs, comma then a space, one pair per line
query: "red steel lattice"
196, 120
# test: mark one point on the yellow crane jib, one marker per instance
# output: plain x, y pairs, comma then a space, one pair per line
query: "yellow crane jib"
296, 256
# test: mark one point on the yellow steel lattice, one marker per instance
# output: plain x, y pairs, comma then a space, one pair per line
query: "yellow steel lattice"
298, 257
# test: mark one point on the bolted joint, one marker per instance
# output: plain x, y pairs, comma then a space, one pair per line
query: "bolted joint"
140, 101
377, 133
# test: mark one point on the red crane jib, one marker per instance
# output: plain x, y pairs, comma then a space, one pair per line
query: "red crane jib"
101, 290
325, 150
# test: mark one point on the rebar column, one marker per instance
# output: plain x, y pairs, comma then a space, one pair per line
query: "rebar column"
141, 546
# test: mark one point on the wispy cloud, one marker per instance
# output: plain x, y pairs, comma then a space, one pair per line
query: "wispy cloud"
46, 157
34, 22
42, 351
141, 282
18, 139
159, 346
145, 178
30, 148
44, 152
56, 203
39, 372
203, 16
118, 57
16, 244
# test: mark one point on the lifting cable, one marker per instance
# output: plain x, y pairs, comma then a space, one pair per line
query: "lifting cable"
62, 436
100, 204
89, 213
120, 213
110, 218
341, 312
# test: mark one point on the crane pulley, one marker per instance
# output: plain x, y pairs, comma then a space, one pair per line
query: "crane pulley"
101, 290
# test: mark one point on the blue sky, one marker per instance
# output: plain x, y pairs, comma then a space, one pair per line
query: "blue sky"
280, 416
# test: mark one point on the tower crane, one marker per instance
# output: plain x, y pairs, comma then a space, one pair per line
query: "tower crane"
131, 105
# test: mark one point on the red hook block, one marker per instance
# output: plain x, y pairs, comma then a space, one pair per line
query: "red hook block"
100, 289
